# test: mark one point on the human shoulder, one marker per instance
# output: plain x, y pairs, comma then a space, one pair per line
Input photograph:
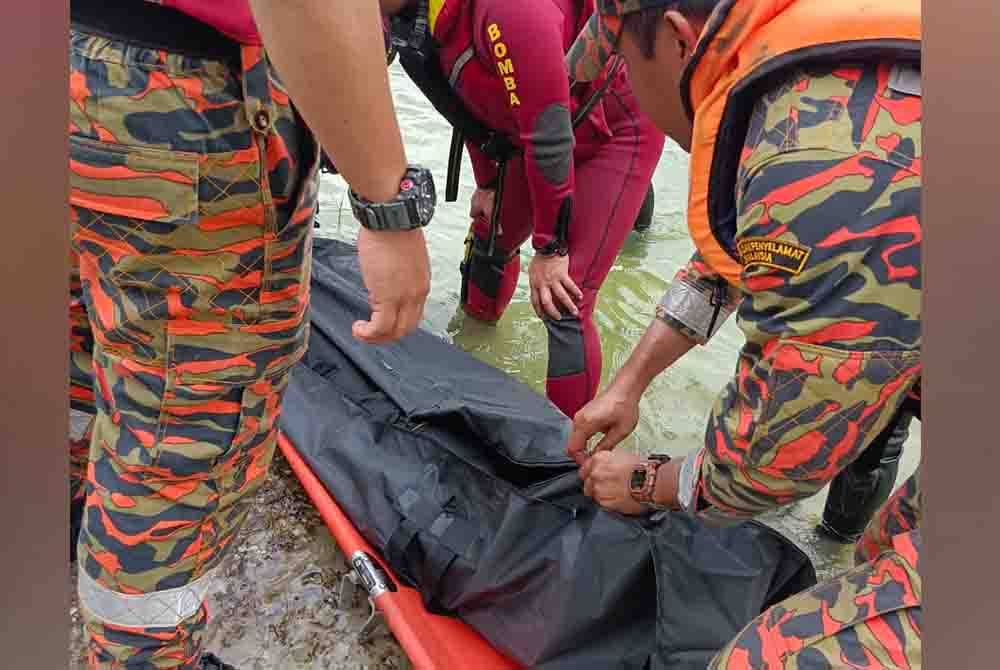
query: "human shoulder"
819, 111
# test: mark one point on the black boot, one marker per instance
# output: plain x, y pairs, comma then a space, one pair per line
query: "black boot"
861, 488
75, 521
212, 662
645, 218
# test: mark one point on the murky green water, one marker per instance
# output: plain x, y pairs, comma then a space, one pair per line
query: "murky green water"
276, 606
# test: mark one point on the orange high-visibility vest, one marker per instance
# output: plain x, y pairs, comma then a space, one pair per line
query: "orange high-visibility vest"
747, 46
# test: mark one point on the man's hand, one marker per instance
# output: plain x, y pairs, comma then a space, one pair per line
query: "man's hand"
605, 479
396, 271
548, 277
615, 413
482, 203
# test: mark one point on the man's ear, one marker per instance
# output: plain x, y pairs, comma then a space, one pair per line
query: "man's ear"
681, 31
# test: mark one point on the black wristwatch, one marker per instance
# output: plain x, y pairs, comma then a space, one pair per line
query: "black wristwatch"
413, 206
554, 248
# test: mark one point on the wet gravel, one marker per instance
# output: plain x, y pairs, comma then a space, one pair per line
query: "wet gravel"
276, 606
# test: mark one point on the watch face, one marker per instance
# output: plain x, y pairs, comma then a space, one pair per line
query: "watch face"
638, 479
427, 197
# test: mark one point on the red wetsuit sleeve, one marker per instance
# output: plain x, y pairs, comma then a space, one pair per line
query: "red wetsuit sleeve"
525, 47
484, 169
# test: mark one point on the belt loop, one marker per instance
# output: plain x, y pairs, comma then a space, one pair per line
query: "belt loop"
257, 88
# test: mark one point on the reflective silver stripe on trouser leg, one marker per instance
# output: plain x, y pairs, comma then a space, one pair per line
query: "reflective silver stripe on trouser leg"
160, 609
694, 308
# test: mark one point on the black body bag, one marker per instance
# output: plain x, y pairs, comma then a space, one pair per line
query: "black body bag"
457, 473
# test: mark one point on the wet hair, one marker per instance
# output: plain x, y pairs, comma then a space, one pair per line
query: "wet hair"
642, 25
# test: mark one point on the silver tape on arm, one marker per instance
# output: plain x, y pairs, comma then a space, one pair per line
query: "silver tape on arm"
698, 310
695, 309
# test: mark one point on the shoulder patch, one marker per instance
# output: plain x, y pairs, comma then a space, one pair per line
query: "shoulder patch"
772, 253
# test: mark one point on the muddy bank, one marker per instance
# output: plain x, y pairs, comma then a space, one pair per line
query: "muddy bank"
277, 604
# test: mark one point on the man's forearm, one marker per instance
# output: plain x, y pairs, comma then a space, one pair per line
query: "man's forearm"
330, 56
658, 349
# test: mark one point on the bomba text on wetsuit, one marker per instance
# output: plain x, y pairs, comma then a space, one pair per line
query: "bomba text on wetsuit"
505, 66
773, 254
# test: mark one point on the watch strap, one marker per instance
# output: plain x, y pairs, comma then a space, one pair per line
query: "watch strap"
412, 208
554, 248
687, 485
395, 215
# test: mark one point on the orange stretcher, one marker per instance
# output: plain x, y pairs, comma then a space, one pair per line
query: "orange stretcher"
431, 642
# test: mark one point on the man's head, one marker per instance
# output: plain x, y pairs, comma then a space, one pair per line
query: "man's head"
656, 38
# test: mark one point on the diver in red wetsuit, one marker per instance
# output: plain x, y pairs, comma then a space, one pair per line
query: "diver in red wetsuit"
574, 191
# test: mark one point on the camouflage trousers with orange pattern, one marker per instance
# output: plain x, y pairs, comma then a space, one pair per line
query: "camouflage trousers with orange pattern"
868, 618
193, 192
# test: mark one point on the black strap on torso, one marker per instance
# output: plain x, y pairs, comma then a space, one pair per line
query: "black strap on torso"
153, 26
417, 51
412, 41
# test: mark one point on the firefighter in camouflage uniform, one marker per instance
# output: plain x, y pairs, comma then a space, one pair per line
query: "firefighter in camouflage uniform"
193, 192
803, 120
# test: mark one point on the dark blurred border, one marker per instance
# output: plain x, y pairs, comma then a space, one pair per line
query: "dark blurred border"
961, 445
34, 632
